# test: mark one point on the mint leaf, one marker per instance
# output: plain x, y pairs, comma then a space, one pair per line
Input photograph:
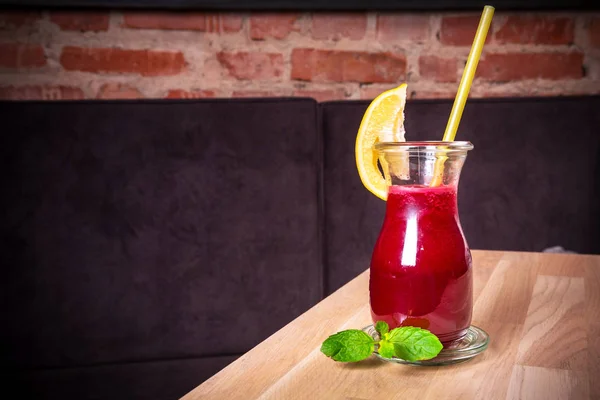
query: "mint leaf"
348, 346
408, 343
413, 344
386, 349
382, 328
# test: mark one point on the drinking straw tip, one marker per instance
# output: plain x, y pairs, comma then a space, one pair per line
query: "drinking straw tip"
469, 72
464, 86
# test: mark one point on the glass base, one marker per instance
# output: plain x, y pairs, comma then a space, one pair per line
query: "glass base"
473, 343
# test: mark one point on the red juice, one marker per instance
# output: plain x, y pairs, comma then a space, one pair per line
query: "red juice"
421, 269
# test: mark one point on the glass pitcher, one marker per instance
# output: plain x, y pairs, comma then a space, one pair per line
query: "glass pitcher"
421, 268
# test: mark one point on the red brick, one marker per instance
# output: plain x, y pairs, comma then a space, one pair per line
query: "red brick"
438, 69
347, 66
184, 21
223, 23
531, 92
432, 94
369, 92
460, 30
517, 66
409, 27
246, 65
18, 55
339, 25
118, 91
322, 95
535, 29
594, 32
143, 62
17, 19
43, 92
272, 25
503, 93
256, 93
81, 21
189, 94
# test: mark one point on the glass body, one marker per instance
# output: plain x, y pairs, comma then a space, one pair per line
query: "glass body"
421, 268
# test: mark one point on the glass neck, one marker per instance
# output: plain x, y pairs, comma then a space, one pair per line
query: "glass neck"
422, 163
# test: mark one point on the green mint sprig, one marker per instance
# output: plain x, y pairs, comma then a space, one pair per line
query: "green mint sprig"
408, 343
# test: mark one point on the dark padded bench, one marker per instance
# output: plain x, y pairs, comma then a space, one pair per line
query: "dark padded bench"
145, 245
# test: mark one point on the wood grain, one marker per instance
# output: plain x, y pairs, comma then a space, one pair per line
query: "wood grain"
547, 383
542, 312
555, 333
592, 318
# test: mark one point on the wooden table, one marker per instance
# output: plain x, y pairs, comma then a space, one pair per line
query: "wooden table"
542, 312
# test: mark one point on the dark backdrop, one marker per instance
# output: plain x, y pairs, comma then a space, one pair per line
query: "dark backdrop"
314, 5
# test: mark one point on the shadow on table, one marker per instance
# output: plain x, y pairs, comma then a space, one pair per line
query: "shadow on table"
375, 362
369, 363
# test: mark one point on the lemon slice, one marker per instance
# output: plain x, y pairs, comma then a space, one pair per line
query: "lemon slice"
383, 122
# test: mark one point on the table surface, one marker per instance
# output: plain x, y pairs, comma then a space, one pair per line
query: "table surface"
542, 312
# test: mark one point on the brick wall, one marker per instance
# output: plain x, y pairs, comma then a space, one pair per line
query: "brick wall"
74, 55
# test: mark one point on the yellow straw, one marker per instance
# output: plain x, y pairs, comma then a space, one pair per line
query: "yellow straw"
468, 74
464, 87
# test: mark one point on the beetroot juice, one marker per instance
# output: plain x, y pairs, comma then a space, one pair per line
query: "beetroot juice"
421, 272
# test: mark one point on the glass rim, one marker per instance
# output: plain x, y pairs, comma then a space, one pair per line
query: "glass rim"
457, 146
